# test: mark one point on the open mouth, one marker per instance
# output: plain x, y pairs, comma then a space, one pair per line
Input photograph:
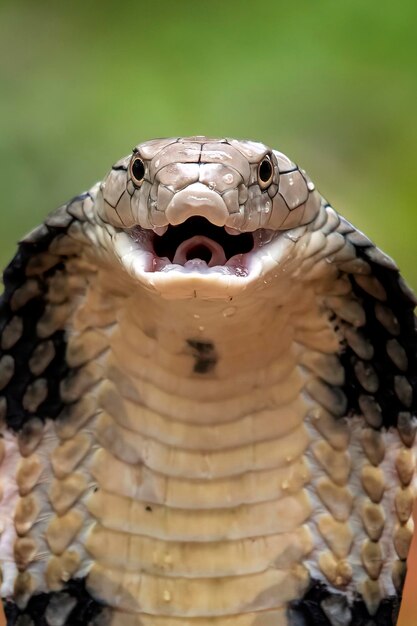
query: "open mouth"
197, 245
197, 239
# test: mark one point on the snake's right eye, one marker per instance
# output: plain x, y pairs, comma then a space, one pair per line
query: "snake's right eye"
137, 171
265, 173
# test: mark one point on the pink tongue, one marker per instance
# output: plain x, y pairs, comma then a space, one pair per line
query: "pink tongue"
185, 251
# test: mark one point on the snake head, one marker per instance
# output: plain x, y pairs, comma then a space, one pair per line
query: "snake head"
198, 208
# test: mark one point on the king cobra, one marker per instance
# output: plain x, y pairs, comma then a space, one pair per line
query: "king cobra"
208, 403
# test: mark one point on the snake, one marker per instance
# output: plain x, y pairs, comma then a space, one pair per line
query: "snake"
207, 401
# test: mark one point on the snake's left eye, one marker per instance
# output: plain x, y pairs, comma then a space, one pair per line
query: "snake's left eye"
137, 171
265, 173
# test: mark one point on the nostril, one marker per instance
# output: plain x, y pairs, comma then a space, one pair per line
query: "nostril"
199, 252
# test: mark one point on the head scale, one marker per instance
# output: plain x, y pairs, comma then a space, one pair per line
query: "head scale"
239, 184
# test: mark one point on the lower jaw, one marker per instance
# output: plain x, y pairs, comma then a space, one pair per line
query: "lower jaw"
236, 266
196, 279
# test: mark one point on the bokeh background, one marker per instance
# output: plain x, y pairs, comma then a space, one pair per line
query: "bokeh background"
332, 84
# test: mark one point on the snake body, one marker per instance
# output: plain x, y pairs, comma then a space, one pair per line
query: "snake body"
207, 395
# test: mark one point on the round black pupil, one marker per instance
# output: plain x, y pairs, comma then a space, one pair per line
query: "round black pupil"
265, 171
138, 169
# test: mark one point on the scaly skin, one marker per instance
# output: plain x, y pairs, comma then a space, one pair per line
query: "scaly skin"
204, 446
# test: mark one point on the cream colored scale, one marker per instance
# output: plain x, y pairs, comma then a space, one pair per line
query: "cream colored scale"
201, 480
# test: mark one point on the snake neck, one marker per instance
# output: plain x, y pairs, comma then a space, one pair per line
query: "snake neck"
201, 471
200, 456
207, 340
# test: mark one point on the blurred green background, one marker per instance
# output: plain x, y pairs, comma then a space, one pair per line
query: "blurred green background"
332, 84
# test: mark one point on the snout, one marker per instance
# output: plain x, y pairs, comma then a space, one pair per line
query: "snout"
197, 200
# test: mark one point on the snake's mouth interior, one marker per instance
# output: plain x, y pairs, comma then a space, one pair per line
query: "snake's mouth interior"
199, 239
196, 245
199, 246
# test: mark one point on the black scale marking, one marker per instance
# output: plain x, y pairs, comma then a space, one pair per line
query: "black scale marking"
14, 277
204, 354
86, 611
402, 307
308, 612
